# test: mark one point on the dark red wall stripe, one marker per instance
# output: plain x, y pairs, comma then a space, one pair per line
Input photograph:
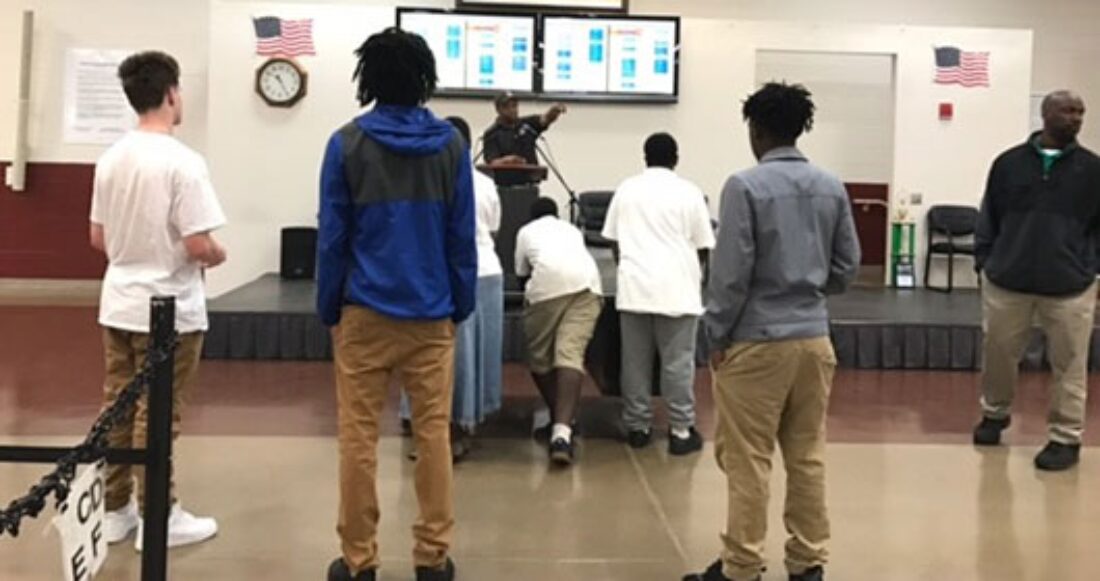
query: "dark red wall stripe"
44, 230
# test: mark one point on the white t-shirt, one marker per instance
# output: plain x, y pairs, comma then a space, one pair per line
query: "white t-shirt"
553, 254
487, 201
660, 222
151, 191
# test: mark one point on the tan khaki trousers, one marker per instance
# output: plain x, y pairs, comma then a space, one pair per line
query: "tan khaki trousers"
124, 354
764, 393
1007, 319
369, 349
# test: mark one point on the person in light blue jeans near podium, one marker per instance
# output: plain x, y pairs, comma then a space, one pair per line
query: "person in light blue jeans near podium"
479, 340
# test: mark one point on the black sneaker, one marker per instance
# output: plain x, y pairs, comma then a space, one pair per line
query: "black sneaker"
1056, 456
638, 438
561, 451
811, 574
447, 573
713, 573
338, 571
684, 446
988, 432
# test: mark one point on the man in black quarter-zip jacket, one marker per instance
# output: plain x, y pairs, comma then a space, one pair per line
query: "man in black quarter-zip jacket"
1036, 252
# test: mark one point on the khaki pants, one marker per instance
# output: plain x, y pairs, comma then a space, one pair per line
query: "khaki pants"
369, 348
768, 392
1007, 319
558, 331
125, 354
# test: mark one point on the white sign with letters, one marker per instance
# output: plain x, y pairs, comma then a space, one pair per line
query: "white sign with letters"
96, 109
80, 524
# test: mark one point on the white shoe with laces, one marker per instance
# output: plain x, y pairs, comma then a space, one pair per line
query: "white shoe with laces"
118, 524
184, 529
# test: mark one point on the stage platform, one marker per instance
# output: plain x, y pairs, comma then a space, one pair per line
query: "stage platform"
872, 328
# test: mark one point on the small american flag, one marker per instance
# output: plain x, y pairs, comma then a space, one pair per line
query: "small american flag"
959, 67
278, 37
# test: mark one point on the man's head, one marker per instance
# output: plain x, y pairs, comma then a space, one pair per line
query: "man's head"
778, 114
1063, 115
462, 126
151, 81
661, 151
395, 68
507, 107
544, 207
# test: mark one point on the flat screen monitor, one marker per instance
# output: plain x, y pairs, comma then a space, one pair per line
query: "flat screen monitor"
477, 53
610, 58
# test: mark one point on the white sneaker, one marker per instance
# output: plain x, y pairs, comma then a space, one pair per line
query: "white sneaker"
184, 528
118, 524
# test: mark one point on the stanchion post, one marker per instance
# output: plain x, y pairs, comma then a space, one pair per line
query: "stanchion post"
158, 446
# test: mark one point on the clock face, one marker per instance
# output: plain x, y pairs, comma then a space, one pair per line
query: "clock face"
280, 82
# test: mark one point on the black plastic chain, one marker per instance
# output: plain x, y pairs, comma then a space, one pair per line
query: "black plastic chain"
90, 450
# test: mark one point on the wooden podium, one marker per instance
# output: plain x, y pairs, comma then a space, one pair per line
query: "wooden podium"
518, 187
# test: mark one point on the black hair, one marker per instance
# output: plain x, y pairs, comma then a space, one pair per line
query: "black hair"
544, 207
661, 151
395, 68
462, 126
147, 77
780, 110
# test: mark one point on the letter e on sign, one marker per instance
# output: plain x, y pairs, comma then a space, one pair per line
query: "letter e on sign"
80, 524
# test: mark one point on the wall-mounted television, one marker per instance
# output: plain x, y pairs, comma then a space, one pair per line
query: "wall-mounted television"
477, 53
610, 58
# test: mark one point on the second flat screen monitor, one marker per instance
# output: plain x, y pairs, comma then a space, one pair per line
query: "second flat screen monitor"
610, 57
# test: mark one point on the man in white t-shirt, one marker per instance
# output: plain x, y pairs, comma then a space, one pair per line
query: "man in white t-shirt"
662, 230
153, 211
562, 304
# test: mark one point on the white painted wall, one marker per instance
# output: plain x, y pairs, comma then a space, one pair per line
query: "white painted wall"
179, 28
265, 161
853, 134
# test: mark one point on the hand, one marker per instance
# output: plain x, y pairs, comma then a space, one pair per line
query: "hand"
716, 358
217, 256
558, 108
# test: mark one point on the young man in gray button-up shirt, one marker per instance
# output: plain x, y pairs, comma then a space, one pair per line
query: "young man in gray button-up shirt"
786, 240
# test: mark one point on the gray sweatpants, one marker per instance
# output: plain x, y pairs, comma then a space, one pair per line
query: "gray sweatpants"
673, 338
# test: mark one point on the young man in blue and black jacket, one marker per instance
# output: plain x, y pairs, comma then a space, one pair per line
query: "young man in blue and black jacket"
1035, 247
397, 268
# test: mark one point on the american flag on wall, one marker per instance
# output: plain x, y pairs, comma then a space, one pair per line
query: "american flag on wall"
959, 67
278, 37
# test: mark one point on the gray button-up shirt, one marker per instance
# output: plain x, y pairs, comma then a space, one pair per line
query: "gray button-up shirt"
786, 240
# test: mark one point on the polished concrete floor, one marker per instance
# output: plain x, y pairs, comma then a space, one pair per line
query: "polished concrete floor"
900, 512
910, 498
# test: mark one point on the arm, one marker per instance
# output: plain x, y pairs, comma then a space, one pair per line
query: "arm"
551, 115
611, 226
844, 263
988, 227
461, 243
204, 249
335, 220
731, 265
95, 237
702, 233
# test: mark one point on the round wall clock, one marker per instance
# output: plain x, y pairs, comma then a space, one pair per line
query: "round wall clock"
281, 82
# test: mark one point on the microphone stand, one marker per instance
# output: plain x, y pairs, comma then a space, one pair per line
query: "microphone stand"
557, 174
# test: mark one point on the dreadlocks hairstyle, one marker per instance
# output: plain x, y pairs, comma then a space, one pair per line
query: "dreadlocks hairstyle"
146, 78
395, 68
781, 110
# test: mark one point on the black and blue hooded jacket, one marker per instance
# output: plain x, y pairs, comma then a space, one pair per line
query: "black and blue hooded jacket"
396, 224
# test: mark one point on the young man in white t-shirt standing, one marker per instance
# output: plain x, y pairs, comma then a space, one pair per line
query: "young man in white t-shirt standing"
662, 230
153, 211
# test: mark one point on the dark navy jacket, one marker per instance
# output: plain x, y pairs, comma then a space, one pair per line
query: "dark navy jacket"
1037, 232
396, 230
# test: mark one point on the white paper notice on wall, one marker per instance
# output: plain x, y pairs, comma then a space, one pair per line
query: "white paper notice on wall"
96, 109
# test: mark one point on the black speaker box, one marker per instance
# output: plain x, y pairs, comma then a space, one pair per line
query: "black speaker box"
298, 253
